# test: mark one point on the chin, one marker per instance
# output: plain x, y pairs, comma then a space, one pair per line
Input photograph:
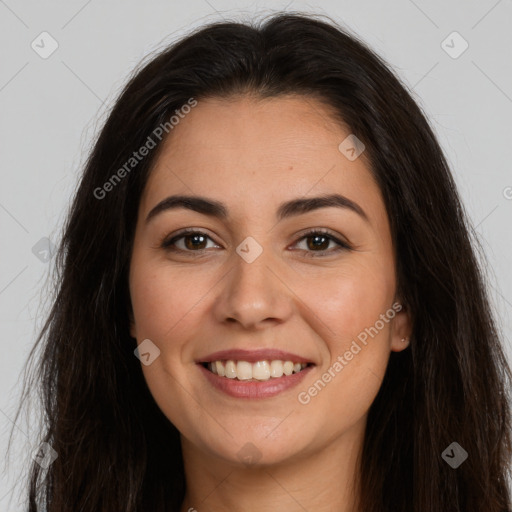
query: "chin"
256, 451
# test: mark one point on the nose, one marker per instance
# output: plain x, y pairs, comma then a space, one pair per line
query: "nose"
254, 294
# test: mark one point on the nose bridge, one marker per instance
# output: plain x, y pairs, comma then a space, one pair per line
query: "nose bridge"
253, 292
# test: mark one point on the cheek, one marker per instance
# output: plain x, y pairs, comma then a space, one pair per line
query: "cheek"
162, 298
167, 308
348, 308
350, 298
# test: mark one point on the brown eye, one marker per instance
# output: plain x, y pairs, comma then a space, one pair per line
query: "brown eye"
196, 241
318, 241
193, 241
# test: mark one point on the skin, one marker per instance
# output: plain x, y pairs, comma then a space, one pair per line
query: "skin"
252, 155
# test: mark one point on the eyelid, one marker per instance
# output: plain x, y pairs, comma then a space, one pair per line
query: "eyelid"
167, 241
342, 245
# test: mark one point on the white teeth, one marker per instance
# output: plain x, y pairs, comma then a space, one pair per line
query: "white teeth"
243, 370
288, 368
219, 368
230, 369
276, 369
261, 370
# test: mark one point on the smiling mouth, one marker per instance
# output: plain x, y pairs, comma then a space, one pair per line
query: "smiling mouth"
258, 371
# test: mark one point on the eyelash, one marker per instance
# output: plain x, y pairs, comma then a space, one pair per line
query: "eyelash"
167, 244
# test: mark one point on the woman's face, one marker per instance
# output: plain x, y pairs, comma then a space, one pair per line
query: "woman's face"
253, 279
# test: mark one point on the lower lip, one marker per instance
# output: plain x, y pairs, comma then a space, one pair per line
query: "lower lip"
252, 389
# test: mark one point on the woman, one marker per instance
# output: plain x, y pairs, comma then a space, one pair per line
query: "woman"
268, 296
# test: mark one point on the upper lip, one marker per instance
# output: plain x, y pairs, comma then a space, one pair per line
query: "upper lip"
252, 356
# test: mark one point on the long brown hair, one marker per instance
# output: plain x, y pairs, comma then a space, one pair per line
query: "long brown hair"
116, 450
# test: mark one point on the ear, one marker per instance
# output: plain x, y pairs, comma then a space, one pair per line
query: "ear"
401, 327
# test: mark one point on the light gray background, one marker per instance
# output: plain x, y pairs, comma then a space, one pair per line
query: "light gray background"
51, 108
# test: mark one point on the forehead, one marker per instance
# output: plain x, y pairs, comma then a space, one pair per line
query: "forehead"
251, 152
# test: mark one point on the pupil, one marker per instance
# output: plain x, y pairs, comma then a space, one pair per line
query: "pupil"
195, 237
316, 238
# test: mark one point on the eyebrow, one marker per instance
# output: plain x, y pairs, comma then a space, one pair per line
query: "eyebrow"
287, 209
